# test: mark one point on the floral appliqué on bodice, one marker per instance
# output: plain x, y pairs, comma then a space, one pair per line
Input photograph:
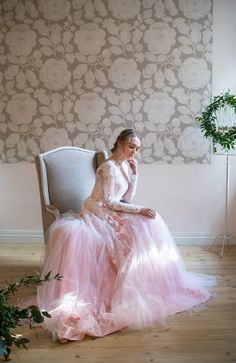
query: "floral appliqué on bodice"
110, 200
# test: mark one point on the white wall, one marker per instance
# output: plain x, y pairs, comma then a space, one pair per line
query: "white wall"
189, 197
224, 46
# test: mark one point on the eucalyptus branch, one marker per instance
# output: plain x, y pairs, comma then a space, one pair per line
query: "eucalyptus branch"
12, 316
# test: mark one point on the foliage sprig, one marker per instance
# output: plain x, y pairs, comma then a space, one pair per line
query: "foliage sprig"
12, 316
226, 137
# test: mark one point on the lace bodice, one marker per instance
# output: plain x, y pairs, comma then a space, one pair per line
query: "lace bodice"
114, 189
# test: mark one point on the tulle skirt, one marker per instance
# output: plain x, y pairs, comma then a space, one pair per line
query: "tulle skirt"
127, 273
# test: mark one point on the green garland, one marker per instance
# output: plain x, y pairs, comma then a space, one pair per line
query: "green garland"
224, 136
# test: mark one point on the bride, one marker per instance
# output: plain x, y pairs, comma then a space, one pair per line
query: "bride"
119, 262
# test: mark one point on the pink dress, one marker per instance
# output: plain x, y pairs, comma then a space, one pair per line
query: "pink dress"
120, 269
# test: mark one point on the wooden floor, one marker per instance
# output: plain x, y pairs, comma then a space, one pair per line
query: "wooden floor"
205, 335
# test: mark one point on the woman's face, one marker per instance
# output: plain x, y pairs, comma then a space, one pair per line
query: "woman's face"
130, 147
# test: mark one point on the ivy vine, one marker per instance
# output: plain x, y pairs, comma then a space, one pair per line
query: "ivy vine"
226, 137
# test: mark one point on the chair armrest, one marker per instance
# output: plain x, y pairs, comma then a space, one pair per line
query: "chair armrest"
52, 210
49, 214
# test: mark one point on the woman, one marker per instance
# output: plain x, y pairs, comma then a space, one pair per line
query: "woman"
119, 263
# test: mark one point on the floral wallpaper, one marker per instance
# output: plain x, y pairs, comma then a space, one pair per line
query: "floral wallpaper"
77, 72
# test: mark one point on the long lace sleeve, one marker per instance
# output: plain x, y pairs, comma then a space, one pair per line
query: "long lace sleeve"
107, 175
128, 196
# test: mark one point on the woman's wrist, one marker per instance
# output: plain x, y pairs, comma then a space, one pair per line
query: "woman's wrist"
133, 177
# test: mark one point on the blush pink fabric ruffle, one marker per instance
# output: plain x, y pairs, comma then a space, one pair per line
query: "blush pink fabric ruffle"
99, 292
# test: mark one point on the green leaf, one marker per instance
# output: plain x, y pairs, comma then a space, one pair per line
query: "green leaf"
11, 316
225, 137
33, 307
47, 276
37, 316
46, 314
21, 342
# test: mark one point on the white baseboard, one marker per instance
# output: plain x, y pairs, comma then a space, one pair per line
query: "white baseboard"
21, 236
201, 239
36, 236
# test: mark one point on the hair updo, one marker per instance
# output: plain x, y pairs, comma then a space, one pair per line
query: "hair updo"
124, 135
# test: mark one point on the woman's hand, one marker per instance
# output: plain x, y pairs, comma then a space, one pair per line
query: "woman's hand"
133, 165
148, 212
